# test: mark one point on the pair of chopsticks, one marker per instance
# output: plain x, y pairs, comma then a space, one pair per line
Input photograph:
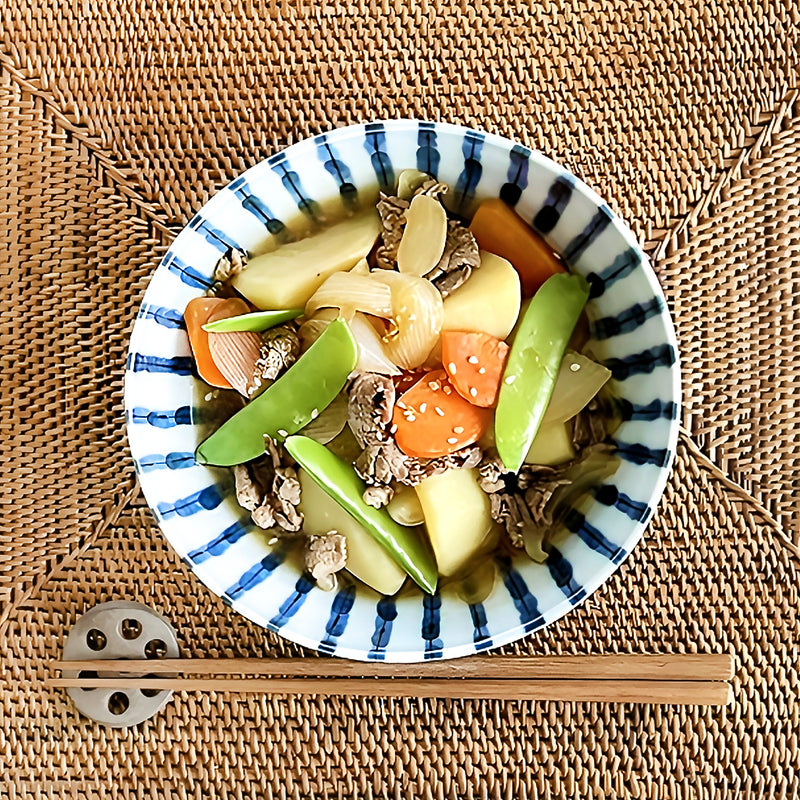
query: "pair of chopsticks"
680, 679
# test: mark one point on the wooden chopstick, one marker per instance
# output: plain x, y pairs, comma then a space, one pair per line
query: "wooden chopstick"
701, 693
674, 667
691, 679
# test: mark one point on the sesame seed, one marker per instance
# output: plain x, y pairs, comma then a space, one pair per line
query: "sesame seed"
473, 359
451, 368
574, 367
412, 317
438, 411
473, 391
447, 390
435, 385
482, 371
458, 429
400, 404
273, 540
452, 440
314, 413
393, 429
282, 432
510, 379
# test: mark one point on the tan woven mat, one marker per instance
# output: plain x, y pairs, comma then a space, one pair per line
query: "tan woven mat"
118, 119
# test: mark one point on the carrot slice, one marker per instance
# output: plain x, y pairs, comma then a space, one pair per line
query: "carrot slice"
500, 230
198, 313
432, 419
474, 363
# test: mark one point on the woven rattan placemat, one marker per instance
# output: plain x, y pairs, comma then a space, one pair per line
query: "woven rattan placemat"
117, 120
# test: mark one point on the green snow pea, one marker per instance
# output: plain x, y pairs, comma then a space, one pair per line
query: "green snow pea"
340, 481
256, 321
534, 362
289, 404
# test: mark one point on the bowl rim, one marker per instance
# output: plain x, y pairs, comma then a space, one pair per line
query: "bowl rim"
600, 576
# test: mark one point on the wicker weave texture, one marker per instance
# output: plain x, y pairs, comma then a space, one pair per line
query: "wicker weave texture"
118, 120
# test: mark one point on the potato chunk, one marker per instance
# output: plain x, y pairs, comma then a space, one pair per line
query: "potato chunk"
457, 516
366, 559
289, 276
488, 302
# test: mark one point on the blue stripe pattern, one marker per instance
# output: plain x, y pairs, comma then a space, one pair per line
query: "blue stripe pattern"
188, 275
600, 221
622, 266
609, 495
431, 624
338, 619
641, 454
642, 363
375, 145
561, 572
256, 574
427, 154
167, 317
471, 174
480, 624
294, 186
594, 538
180, 365
338, 170
179, 460
626, 321
517, 175
161, 419
524, 601
293, 603
204, 500
220, 543
386, 615
259, 209
557, 199
214, 236
655, 409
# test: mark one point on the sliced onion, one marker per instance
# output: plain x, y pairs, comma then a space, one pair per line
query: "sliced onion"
351, 292
312, 328
329, 423
409, 181
595, 466
579, 380
552, 445
361, 268
372, 355
371, 351
405, 509
534, 536
417, 313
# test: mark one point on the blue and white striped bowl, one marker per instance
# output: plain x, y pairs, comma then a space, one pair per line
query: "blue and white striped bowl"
195, 507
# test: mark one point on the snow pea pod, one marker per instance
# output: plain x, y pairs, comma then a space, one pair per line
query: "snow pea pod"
289, 404
533, 364
256, 321
340, 481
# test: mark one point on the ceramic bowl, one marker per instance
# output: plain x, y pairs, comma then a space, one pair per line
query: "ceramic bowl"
195, 507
